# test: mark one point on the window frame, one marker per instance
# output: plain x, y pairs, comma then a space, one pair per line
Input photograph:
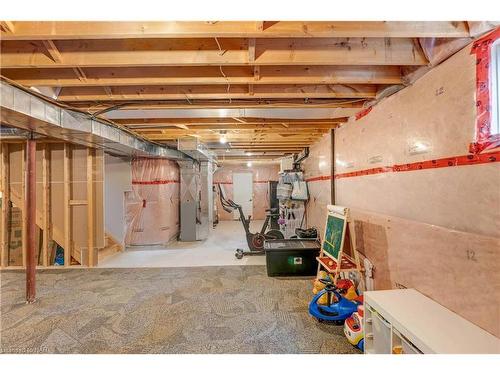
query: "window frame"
487, 135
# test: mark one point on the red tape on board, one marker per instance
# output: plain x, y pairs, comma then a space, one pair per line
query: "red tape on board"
158, 182
454, 161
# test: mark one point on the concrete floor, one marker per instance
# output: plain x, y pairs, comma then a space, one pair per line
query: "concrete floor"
230, 309
217, 250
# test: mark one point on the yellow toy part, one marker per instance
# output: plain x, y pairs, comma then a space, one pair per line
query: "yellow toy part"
351, 293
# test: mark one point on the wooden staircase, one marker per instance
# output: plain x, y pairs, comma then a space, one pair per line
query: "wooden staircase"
57, 234
112, 246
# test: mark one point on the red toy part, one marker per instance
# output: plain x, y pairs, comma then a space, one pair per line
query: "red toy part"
359, 299
353, 323
361, 310
344, 284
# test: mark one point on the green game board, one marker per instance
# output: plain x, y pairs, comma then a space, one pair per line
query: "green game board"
335, 228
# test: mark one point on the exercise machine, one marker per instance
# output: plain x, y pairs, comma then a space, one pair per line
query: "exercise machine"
255, 241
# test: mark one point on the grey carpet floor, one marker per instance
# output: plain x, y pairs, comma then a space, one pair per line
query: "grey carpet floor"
163, 310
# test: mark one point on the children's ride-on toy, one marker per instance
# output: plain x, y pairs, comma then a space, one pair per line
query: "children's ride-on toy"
353, 329
344, 286
255, 241
336, 310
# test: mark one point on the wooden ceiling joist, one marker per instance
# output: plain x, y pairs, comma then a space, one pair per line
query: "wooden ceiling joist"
243, 127
229, 121
206, 75
224, 29
196, 52
217, 92
93, 106
112, 67
243, 133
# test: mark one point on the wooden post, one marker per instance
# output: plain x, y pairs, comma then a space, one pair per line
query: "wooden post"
67, 207
90, 206
45, 204
30, 193
5, 205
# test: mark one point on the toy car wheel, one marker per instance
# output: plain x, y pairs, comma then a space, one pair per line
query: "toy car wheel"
239, 254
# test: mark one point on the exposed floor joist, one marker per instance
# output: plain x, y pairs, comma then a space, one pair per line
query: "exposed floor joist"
196, 52
73, 94
205, 75
131, 71
232, 29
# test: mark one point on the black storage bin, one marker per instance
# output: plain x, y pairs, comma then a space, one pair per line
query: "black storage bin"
292, 257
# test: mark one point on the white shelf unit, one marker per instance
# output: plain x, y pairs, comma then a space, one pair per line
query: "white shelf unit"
407, 322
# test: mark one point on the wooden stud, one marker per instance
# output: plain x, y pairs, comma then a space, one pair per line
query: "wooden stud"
67, 207
90, 207
46, 237
4, 260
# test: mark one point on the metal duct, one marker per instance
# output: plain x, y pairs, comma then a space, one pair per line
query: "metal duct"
194, 148
27, 111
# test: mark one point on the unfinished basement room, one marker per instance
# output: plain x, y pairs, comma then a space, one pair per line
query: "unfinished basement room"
250, 187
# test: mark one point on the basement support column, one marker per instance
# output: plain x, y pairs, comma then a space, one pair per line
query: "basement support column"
30, 194
332, 171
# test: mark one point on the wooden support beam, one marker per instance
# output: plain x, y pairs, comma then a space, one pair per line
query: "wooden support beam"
237, 122
52, 50
90, 207
46, 220
234, 104
66, 206
235, 29
4, 260
196, 52
30, 192
244, 129
218, 92
206, 75
229, 133
24, 207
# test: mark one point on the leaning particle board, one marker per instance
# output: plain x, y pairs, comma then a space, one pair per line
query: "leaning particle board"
429, 326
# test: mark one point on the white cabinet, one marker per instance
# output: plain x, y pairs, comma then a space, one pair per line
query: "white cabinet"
404, 321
